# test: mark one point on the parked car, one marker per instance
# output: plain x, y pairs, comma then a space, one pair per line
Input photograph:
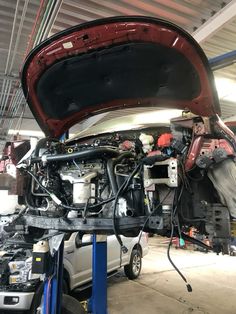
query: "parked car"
18, 285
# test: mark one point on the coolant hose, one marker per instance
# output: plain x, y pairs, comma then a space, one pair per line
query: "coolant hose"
110, 170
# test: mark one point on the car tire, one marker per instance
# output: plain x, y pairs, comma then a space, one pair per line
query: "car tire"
65, 287
71, 306
133, 269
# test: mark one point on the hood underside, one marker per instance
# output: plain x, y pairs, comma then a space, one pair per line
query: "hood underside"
112, 64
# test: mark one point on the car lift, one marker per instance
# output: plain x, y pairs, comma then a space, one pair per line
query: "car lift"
52, 294
98, 301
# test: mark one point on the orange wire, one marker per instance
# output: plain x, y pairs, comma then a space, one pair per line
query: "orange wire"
34, 27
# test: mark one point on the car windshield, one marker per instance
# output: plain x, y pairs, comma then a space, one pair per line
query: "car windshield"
124, 120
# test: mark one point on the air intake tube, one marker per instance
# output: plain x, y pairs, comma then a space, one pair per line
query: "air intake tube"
96, 152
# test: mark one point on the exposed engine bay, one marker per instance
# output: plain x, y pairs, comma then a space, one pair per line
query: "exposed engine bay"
16, 266
164, 180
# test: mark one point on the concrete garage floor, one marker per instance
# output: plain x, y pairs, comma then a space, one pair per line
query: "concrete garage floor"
160, 289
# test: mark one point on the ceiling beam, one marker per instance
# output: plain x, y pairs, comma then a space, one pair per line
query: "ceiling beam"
229, 119
8, 77
223, 61
216, 22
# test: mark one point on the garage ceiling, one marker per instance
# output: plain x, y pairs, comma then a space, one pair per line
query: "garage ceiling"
24, 23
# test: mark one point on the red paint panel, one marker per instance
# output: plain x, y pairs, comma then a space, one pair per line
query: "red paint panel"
106, 35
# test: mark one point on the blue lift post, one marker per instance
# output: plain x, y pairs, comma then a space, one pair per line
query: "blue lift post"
98, 301
53, 281
53, 284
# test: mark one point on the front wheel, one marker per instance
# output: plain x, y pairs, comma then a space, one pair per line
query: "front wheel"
133, 269
71, 306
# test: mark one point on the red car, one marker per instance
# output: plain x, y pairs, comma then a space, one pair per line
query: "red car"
163, 179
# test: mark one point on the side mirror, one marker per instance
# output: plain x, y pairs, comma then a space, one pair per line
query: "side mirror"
83, 240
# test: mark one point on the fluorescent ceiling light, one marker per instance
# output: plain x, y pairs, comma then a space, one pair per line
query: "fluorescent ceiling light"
28, 133
226, 89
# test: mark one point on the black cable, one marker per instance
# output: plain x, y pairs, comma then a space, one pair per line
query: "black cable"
184, 178
85, 210
84, 214
189, 288
108, 200
150, 215
122, 188
197, 242
178, 224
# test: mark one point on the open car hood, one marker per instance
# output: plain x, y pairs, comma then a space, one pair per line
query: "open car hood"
112, 64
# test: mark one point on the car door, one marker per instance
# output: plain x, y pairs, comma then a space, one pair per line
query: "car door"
82, 261
82, 258
113, 253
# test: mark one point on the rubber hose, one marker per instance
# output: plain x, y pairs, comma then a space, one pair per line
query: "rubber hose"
98, 152
110, 170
